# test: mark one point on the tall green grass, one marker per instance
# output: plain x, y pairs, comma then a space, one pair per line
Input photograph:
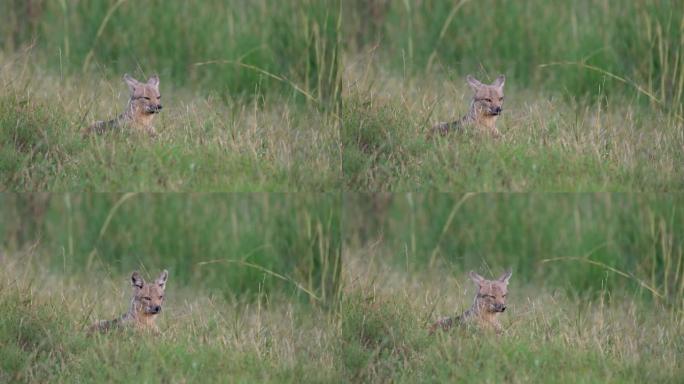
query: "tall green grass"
594, 95
236, 244
548, 143
204, 337
573, 47
230, 47
596, 292
580, 242
205, 143
613, 337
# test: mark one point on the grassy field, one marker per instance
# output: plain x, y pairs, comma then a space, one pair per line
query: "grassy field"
252, 294
594, 95
549, 335
204, 144
224, 242
342, 231
328, 95
323, 288
377, 333
596, 292
548, 143
251, 95
205, 337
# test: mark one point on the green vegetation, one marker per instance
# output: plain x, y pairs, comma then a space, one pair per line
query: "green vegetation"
205, 338
251, 94
568, 241
607, 309
254, 281
324, 95
204, 144
548, 336
345, 247
594, 95
226, 46
231, 243
258, 290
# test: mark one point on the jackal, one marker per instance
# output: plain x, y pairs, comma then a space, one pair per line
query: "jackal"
485, 108
144, 103
146, 304
490, 301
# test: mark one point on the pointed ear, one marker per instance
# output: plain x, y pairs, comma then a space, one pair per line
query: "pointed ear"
477, 279
161, 280
474, 83
506, 276
137, 281
132, 83
153, 81
499, 82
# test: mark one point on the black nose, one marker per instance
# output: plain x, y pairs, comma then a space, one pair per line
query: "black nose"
503, 308
160, 107
156, 309
497, 109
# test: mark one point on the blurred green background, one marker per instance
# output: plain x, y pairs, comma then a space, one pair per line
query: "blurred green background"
231, 47
639, 235
640, 41
219, 44
230, 243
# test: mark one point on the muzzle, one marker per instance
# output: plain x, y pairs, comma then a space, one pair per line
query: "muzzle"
154, 309
153, 108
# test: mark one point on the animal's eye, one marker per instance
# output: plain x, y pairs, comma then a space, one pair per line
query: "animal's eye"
500, 98
161, 297
159, 97
488, 100
146, 98
147, 298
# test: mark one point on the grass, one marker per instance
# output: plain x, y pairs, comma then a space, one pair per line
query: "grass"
612, 338
252, 95
639, 41
252, 292
214, 46
549, 143
285, 288
594, 95
310, 96
596, 293
251, 244
569, 241
328, 95
204, 337
271, 143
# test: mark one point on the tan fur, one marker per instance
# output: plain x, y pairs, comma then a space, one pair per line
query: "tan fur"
143, 105
489, 303
145, 306
485, 108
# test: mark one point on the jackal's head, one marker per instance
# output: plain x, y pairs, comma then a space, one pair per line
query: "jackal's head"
488, 98
148, 297
491, 294
145, 97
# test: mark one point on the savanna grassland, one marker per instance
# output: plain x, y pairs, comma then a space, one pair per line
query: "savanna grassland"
596, 294
286, 288
325, 95
343, 231
251, 95
251, 297
594, 95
